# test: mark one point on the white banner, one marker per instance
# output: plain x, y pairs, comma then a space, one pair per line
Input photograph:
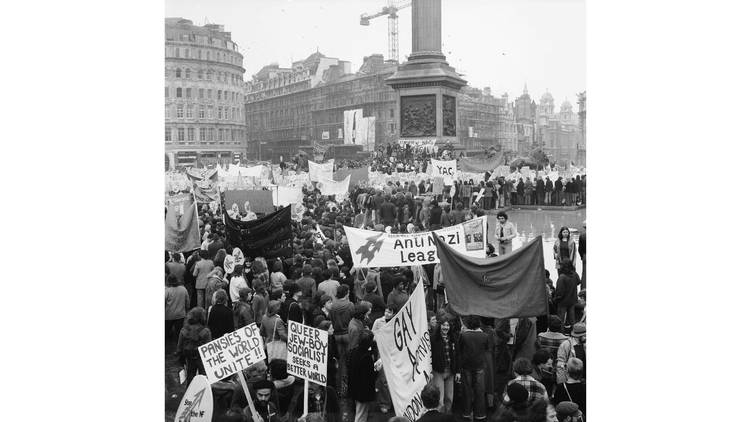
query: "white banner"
319, 236
404, 345
376, 249
232, 353
446, 169
307, 353
332, 187
285, 195
197, 403
321, 171
352, 119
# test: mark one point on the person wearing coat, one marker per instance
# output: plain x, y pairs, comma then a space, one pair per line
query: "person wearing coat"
558, 191
444, 362
548, 188
272, 327
520, 192
539, 191
220, 316
566, 294
362, 387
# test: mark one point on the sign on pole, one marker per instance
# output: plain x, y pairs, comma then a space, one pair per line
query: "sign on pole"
307, 353
197, 404
404, 345
231, 353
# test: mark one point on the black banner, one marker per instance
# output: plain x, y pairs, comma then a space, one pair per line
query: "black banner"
268, 237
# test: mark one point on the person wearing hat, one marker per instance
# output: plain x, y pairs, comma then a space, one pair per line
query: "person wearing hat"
574, 347
568, 411
516, 407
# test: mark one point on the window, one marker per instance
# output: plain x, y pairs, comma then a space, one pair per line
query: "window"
167, 134
200, 74
201, 112
177, 52
189, 113
166, 112
186, 53
179, 93
211, 112
393, 129
221, 135
210, 134
180, 111
200, 93
200, 54
178, 73
187, 73
181, 134
209, 75
191, 134
391, 113
225, 96
209, 93
188, 92
166, 92
203, 134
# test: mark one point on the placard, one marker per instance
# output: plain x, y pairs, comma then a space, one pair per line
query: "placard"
307, 353
232, 352
197, 404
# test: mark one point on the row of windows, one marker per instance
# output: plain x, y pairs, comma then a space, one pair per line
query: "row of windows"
184, 111
206, 93
203, 134
190, 53
208, 75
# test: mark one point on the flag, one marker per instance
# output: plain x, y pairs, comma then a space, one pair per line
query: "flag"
268, 236
508, 286
181, 223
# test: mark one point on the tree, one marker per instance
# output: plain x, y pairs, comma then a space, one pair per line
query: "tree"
539, 157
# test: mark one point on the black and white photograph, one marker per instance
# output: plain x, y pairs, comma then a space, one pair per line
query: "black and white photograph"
374, 210
306, 176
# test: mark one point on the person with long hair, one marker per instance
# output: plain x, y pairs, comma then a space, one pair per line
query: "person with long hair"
362, 386
444, 362
193, 335
564, 248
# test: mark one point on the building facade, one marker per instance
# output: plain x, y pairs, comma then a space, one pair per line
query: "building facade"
203, 94
525, 115
288, 109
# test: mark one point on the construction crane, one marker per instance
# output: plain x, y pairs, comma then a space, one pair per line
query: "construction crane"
390, 9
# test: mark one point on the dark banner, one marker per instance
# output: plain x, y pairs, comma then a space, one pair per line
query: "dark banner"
358, 175
508, 286
181, 224
261, 201
268, 236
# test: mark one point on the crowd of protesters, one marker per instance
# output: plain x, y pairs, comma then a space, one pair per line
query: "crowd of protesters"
520, 369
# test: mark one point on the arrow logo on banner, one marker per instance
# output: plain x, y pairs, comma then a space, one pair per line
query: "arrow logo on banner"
367, 251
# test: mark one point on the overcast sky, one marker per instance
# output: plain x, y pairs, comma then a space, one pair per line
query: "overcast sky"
543, 41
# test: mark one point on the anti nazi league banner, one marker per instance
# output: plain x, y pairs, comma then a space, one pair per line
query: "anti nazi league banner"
307, 353
232, 353
197, 403
446, 169
404, 345
376, 249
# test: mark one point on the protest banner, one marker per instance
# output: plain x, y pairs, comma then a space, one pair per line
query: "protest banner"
285, 195
437, 185
197, 403
525, 171
181, 224
357, 175
502, 171
231, 353
319, 236
446, 169
332, 187
269, 236
404, 346
307, 353
321, 171
480, 164
261, 201
376, 249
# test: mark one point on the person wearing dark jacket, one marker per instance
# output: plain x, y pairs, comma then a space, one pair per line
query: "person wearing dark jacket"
558, 191
431, 400
548, 188
444, 363
388, 212
362, 387
472, 346
193, 335
520, 189
539, 191
566, 294
220, 317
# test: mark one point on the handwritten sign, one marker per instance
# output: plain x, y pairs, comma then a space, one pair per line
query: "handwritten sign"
231, 353
197, 404
307, 353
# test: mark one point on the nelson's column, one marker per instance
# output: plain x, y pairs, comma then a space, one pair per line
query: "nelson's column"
426, 85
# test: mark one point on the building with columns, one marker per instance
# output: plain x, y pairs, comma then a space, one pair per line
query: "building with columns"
203, 94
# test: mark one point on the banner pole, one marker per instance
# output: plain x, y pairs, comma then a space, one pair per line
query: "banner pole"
306, 397
256, 416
